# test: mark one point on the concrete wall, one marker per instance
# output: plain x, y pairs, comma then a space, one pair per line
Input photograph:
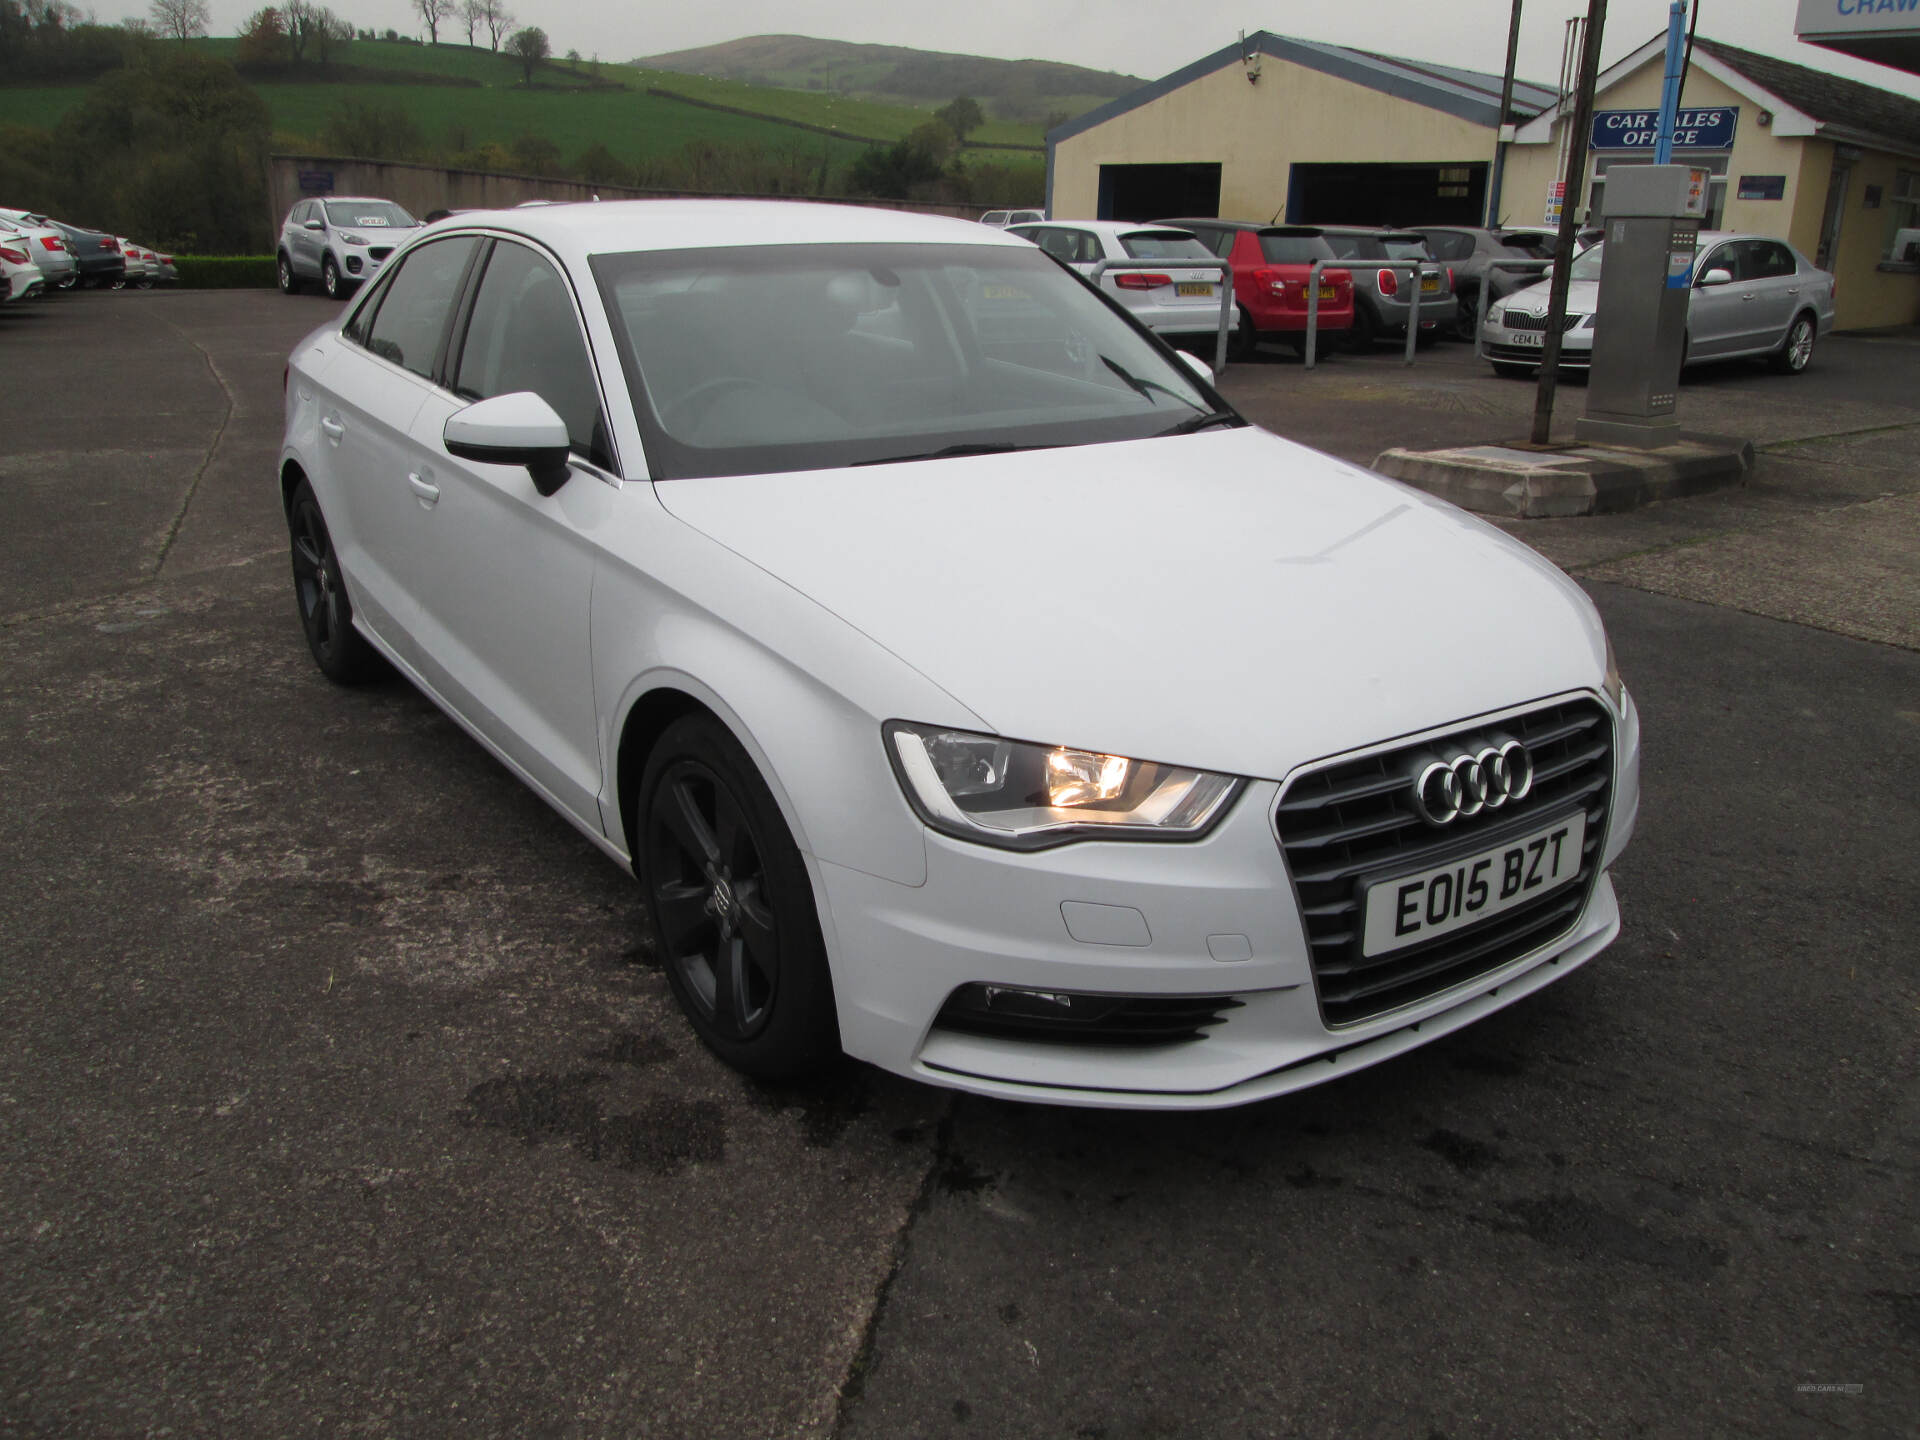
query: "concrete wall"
424, 188
1256, 132
1868, 296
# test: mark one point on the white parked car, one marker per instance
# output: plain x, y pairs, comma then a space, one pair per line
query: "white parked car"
20, 278
339, 243
46, 246
142, 268
1751, 296
970, 688
1170, 300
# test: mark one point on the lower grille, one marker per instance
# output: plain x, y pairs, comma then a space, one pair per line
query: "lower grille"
380, 252
1356, 818
1066, 1018
1531, 355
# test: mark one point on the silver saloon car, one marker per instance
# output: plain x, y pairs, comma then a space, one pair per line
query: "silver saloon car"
1751, 296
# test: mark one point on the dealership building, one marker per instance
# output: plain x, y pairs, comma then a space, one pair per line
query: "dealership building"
1298, 132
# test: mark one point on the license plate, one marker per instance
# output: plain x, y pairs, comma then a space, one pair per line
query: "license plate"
1327, 292
1412, 909
1194, 287
1429, 284
1526, 340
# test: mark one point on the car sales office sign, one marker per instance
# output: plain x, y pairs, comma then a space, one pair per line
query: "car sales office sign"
1640, 129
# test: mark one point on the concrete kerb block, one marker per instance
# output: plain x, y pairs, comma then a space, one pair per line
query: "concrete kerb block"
1528, 483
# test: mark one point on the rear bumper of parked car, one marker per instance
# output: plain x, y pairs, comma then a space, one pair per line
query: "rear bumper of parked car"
1213, 922
1289, 315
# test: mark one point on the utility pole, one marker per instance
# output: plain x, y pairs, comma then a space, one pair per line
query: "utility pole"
1581, 122
1498, 173
1670, 86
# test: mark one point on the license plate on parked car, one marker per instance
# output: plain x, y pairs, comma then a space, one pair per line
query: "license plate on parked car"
1429, 284
1526, 340
1194, 287
1327, 292
1412, 909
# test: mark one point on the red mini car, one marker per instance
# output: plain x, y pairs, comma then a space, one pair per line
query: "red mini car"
1271, 265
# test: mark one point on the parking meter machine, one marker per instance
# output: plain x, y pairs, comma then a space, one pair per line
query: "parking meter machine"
1652, 221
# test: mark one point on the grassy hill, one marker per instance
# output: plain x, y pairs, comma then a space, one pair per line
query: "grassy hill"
1025, 90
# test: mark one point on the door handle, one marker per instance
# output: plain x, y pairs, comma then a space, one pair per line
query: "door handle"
335, 431
424, 490
1749, 296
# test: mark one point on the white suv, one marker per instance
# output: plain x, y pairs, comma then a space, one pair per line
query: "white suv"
341, 242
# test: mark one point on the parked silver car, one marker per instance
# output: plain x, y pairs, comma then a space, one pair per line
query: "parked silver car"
1752, 295
340, 242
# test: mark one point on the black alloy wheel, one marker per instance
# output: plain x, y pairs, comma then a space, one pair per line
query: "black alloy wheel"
732, 906
326, 614
330, 280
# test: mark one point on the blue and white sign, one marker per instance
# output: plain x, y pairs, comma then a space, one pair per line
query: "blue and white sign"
1835, 19
1640, 129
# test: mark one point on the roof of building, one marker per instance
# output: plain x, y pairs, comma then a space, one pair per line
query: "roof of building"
1830, 99
1466, 94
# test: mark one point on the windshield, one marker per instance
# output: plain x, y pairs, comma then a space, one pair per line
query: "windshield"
1586, 265
767, 359
1163, 245
368, 214
1358, 247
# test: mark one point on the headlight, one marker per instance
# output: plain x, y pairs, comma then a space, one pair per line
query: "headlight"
1026, 797
346, 239
1615, 687
1496, 314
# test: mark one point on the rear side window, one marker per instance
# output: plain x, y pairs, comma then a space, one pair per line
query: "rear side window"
524, 336
413, 313
1770, 259
1163, 245
1294, 249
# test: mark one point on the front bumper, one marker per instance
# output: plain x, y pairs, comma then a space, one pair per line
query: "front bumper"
1525, 347
1216, 917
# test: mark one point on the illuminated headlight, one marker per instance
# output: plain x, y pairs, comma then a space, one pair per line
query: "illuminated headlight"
1026, 797
1615, 687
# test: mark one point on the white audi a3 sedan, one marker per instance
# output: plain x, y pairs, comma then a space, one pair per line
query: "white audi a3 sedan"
971, 690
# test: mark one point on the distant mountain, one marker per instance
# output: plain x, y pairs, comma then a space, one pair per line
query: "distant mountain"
1013, 89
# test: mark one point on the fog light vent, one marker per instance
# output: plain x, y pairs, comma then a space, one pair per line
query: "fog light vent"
1075, 1018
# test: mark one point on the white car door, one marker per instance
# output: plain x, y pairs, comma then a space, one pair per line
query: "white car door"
368, 400
505, 574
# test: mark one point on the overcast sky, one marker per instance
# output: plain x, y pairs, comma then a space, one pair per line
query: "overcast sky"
1140, 37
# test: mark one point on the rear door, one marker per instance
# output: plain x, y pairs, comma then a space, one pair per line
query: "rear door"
506, 573
1776, 285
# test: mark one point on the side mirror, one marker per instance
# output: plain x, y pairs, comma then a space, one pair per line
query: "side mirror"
1716, 277
1197, 365
315, 225
516, 429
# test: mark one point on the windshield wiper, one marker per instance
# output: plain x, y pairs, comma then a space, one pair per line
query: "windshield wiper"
1204, 422
1144, 387
971, 447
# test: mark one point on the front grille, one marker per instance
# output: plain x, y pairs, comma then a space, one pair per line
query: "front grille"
1060, 1017
1355, 818
1520, 320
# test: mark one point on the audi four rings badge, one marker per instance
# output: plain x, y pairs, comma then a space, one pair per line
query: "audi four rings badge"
1500, 771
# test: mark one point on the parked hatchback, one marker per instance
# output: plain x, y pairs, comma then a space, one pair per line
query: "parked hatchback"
1486, 265
1168, 299
1272, 269
339, 243
1383, 304
972, 690
1752, 295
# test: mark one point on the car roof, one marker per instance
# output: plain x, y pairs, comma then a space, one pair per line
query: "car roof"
1113, 228
581, 228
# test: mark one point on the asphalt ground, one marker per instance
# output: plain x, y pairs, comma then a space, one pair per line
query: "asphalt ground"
339, 1096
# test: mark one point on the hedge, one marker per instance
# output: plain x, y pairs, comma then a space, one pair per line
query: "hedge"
226, 272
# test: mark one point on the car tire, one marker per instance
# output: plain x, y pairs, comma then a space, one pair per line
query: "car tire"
1365, 331
289, 282
1511, 370
326, 614
731, 905
1796, 351
331, 280
1466, 319
1245, 340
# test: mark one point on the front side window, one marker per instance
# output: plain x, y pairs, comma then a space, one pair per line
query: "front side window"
768, 359
524, 336
412, 315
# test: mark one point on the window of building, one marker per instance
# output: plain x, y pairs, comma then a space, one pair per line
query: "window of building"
1903, 219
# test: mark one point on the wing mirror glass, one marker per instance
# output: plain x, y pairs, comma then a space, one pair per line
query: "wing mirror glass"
1716, 277
516, 429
